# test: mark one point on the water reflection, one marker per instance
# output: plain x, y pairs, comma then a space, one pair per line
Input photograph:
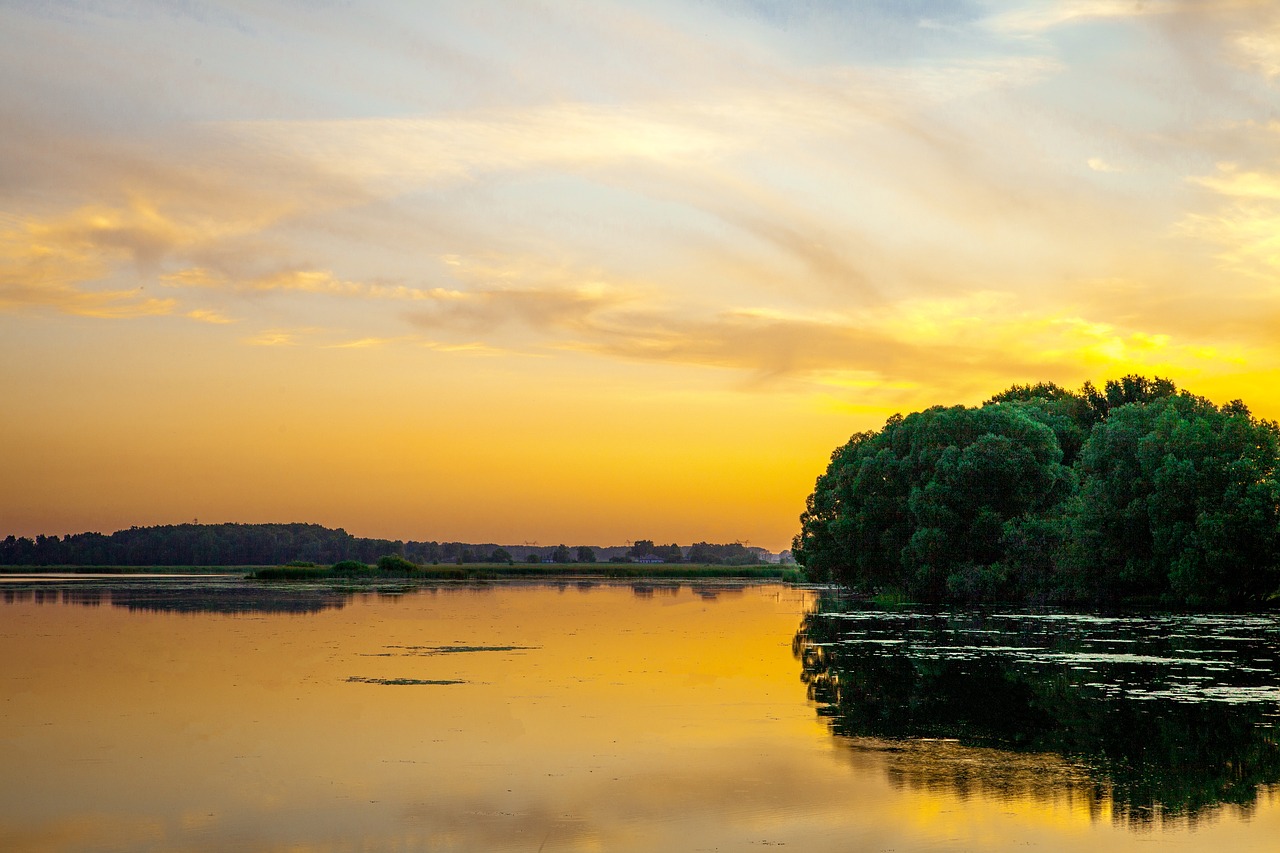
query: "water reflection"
203, 595
497, 717
1150, 717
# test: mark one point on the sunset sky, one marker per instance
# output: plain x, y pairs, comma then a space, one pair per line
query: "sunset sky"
589, 272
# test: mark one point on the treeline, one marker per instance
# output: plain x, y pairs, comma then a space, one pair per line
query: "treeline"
224, 545
729, 554
277, 544
1137, 492
197, 545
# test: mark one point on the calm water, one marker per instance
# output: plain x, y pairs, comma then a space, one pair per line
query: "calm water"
216, 715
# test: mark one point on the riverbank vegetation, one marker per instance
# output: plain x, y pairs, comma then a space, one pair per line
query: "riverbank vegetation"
385, 569
1136, 493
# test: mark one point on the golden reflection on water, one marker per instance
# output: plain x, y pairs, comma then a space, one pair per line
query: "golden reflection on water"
589, 717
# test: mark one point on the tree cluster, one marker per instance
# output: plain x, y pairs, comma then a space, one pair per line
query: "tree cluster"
276, 544
730, 554
1136, 492
231, 545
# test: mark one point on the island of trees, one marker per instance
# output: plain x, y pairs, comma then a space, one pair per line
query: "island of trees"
1135, 493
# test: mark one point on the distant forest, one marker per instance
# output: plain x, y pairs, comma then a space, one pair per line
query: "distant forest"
276, 544
1136, 493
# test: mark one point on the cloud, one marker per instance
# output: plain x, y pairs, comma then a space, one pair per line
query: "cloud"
468, 348
1246, 224
369, 343
429, 150
1042, 15
961, 342
556, 309
274, 338
206, 315
1097, 164
48, 267
1231, 181
1261, 50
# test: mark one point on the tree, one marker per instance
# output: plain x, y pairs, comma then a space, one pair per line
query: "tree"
500, 555
923, 503
560, 554
1168, 498
586, 554
641, 548
394, 563
1179, 501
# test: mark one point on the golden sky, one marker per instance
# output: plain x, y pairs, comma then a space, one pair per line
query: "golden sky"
590, 272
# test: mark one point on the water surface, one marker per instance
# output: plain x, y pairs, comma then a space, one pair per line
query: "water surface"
215, 714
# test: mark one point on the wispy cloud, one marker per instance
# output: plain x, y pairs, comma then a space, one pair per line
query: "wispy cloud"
1231, 181
1245, 226
1261, 50
41, 268
1041, 15
206, 315
274, 338
369, 343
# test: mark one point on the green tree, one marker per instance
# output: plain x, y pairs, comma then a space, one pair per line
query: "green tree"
395, 564
922, 505
560, 554
641, 548
1179, 500
586, 554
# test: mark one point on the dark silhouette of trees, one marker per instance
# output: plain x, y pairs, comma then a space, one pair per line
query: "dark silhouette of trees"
641, 548
221, 545
732, 553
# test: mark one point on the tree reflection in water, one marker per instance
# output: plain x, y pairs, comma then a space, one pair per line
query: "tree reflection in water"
1148, 717
202, 595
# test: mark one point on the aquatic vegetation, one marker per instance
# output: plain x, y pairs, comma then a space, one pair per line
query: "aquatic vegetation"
448, 650
404, 681
1166, 714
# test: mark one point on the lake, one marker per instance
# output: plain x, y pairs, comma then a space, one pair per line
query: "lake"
218, 714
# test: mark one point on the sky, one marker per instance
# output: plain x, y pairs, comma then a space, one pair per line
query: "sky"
588, 272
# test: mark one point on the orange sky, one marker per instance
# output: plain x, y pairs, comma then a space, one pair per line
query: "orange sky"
574, 273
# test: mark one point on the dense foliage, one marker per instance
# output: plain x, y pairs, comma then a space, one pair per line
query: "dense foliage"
1136, 492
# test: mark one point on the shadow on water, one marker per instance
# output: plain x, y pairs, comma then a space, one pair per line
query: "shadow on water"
177, 596
1152, 717
232, 594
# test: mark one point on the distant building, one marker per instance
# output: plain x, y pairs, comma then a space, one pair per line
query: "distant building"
648, 558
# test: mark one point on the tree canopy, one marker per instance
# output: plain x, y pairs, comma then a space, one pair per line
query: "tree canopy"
1135, 492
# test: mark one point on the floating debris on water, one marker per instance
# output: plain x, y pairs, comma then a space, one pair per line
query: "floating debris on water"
404, 681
